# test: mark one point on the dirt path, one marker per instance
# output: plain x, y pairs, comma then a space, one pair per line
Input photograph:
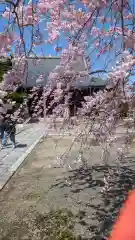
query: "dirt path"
40, 185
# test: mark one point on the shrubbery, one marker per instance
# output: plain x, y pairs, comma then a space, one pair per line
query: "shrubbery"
17, 97
4, 67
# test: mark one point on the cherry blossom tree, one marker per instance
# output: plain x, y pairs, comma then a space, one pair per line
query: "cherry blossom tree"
92, 30
99, 31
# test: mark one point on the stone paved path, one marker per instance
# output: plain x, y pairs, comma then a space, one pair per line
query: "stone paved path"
10, 159
27, 137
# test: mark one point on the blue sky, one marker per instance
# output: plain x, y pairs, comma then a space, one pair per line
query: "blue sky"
48, 49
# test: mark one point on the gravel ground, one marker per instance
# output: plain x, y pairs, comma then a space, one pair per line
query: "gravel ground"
41, 185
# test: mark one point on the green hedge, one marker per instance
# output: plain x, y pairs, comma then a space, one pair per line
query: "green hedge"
18, 97
4, 67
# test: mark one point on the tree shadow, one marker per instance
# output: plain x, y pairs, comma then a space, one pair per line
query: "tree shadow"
34, 120
81, 178
91, 179
19, 145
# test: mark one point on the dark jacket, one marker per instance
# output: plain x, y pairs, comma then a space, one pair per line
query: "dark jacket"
1, 120
9, 124
2, 115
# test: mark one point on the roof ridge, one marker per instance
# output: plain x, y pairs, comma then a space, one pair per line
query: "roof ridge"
47, 57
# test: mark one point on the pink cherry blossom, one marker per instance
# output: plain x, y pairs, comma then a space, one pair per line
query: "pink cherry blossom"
90, 30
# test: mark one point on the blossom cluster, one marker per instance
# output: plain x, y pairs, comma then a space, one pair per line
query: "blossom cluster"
107, 103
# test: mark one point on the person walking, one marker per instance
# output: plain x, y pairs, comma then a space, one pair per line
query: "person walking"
2, 122
9, 129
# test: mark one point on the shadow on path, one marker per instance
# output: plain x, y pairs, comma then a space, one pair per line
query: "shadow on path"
106, 207
21, 145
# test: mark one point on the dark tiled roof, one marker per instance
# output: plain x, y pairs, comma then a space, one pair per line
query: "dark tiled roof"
97, 81
90, 82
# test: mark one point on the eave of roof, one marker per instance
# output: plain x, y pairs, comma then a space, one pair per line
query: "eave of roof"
90, 82
37, 58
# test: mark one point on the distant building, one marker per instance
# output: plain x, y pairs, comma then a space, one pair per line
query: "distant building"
44, 65
39, 66
92, 84
80, 88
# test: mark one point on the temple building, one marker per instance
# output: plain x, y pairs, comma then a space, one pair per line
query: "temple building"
84, 87
44, 65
